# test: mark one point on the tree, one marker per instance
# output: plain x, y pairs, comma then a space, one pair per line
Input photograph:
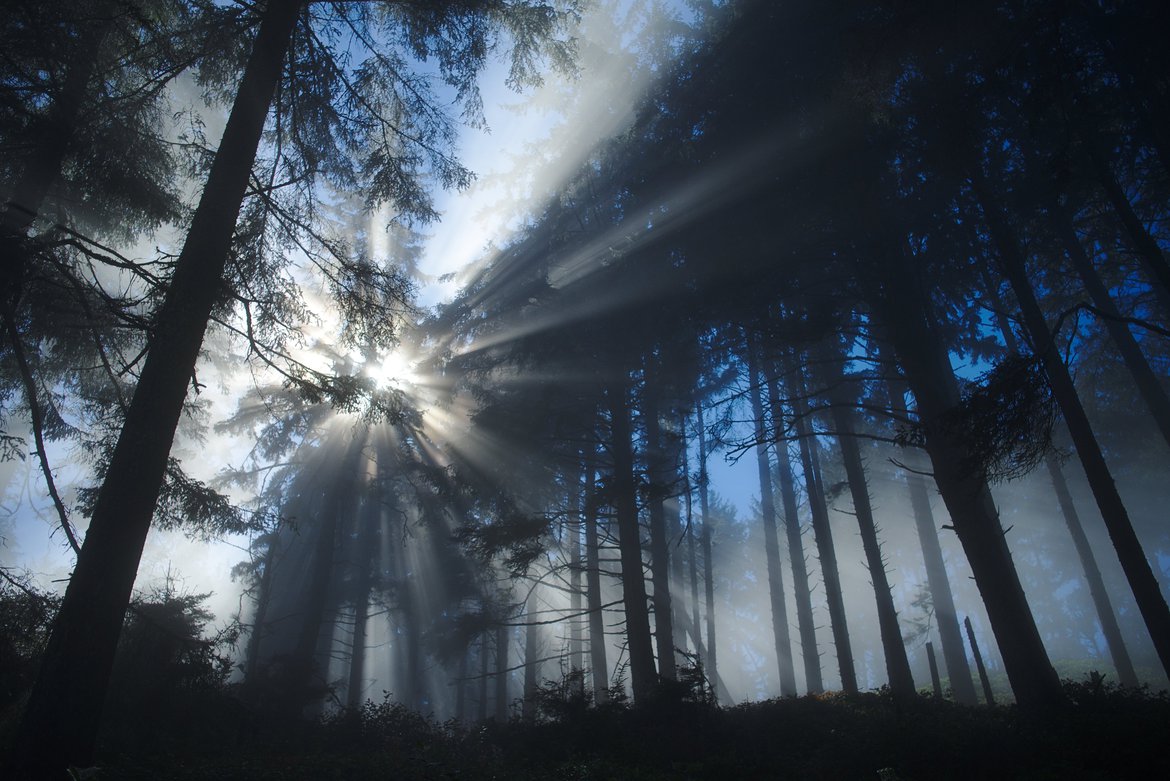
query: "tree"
63, 713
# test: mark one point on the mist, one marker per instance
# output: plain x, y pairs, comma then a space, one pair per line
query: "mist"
586, 367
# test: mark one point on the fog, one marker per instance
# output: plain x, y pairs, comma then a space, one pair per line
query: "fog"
691, 215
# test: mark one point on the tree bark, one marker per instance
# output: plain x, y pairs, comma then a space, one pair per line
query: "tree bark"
987, 695
61, 719
780, 634
897, 665
502, 674
593, 597
1136, 566
659, 547
800, 585
826, 551
946, 616
711, 662
1072, 519
900, 305
643, 677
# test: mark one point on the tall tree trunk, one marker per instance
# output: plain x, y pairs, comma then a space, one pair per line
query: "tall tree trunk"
642, 674
826, 551
371, 522
531, 665
573, 535
901, 306
1118, 652
800, 585
711, 661
484, 674
780, 634
1072, 519
947, 618
983, 679
461, 687
597, 653
897, 665
339, 508
692, 551
61, 720
1133, 559
502, 673
260, 619
659, 547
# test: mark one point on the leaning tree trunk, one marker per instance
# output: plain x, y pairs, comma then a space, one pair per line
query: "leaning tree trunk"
804, 614
659, 546
1134, 563
901, 306
947, 618
1072, 519
61, 720
897, 665
826, 551
780, 634
642, 674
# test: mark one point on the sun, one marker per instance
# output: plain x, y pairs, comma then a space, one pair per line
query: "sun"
395, 369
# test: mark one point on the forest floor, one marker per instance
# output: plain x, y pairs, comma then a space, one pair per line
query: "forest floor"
1104, 733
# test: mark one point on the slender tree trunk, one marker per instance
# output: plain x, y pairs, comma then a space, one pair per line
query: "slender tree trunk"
63, 713
502, 673
642, 674
371, 522
597, 653
947, 618
1105, 613
461, 688
484, 674
935, 683
1072, 519
659, 547
897, 665
573, 535
983, 679
711, 662
692, 552
531, 666
826, 551
339, 507
780, 634
901, 306
260, 619
1133, 559
800, 586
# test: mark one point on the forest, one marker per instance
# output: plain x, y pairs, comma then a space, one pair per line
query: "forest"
584, 389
